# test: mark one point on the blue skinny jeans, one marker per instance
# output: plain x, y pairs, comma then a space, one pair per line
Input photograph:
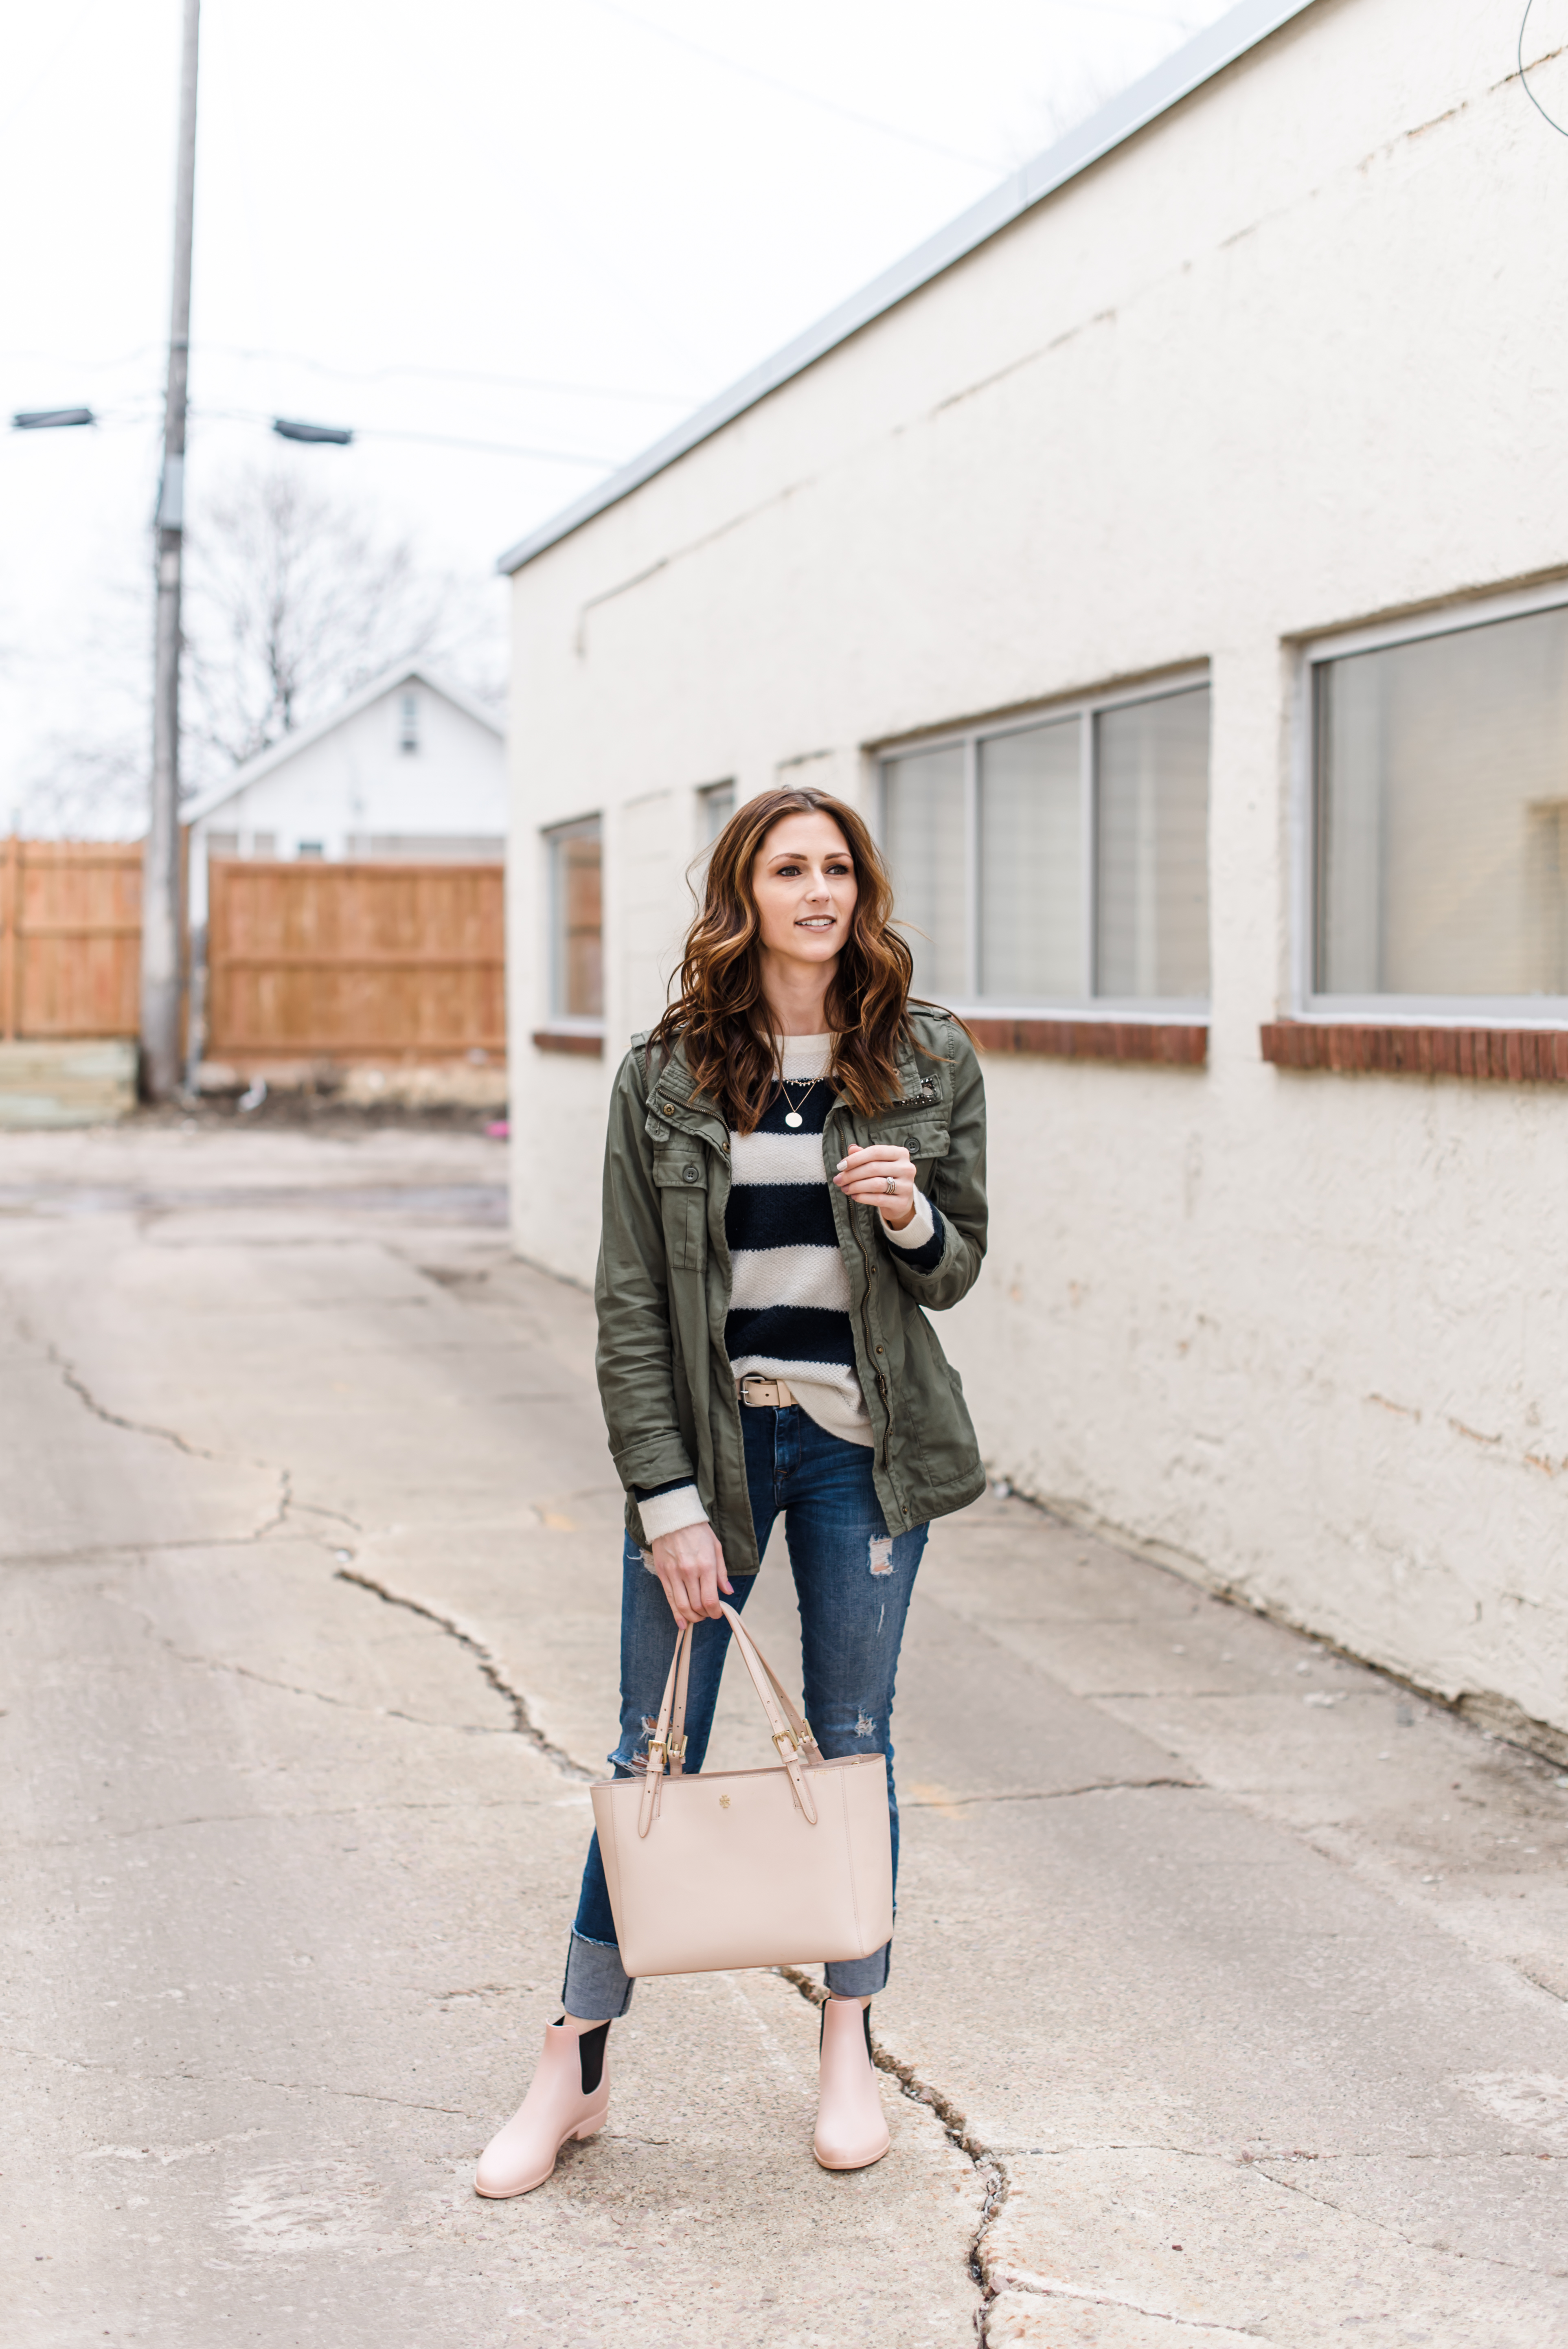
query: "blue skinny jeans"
853, 1582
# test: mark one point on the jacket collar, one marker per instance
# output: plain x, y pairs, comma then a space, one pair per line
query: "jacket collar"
674, 1089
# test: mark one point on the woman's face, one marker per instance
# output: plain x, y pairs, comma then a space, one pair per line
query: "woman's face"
803, 880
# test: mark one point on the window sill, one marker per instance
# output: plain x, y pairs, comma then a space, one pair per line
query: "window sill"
577, 1040
1359, 1048
1161, 1042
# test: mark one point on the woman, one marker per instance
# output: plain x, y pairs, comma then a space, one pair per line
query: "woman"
795, 1169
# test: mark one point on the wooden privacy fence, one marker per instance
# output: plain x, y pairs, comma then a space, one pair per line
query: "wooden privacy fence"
354, 961
70, 938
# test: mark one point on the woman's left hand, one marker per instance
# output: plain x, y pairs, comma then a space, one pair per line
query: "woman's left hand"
881, 1177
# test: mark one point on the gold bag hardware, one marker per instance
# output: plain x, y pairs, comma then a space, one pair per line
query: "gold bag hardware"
801, 1875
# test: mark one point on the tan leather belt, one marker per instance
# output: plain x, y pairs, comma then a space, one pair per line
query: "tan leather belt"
764, 1394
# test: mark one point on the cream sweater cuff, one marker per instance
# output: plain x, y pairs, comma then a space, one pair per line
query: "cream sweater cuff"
915, 1233
667, 1513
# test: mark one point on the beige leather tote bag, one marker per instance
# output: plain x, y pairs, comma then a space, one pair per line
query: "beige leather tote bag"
776, 1867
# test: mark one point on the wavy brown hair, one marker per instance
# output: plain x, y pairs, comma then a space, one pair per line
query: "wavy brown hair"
720, 1012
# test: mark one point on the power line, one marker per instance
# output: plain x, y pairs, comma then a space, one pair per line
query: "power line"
792, 89
65, 41
457, 375
492, 448
431, 439
375, 375
1127, 8
1524, 77
870, 121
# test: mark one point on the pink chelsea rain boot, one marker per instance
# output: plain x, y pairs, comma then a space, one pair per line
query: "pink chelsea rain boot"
851, 2127
568, 2097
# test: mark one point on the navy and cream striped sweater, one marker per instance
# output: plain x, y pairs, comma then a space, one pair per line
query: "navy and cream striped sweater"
789, 1295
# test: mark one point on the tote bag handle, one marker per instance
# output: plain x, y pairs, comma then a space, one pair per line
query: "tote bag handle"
791, 1732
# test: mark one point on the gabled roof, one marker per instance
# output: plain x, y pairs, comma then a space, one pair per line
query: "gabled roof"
407, 673
1208, 54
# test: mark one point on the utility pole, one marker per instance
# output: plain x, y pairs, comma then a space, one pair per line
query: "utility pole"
161, 907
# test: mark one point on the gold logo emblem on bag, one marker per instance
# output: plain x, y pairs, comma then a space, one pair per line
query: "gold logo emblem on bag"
724, 1802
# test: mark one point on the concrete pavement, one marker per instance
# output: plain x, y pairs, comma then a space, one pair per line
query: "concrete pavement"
1228, 2001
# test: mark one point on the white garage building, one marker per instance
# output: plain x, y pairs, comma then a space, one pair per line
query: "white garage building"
1172, 558
410, 765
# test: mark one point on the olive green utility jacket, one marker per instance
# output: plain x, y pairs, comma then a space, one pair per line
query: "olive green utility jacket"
664, 1286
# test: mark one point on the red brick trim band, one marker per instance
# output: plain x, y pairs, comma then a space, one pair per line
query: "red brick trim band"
1095, 1040
565, 1039
1349, 1048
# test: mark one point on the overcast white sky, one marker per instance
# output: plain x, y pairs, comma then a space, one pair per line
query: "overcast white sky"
481, 220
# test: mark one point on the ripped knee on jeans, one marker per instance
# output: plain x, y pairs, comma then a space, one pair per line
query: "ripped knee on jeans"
882, 1553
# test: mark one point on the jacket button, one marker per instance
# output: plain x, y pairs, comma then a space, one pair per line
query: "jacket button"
688, 1175
879, 1350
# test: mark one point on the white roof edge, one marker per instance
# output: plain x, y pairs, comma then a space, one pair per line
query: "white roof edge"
1175, 77
401, 673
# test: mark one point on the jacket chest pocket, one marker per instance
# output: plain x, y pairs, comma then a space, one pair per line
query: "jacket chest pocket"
925, 1138
680, 1178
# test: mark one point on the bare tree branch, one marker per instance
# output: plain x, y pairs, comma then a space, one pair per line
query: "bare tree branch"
295, 598
295, 601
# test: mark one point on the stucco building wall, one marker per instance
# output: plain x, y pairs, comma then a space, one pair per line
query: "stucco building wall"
1288, 361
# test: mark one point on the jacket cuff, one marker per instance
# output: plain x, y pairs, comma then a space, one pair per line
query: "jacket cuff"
667, 1513
920, 1239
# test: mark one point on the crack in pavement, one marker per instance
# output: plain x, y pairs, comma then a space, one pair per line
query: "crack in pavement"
72, 1380
322, 1696
1024, 2280
136, 1553
279, 1516
1386, 2227
1049, 1794
1002, 2276
522, 1722
292, 1688
107, 1833
319, 1509
246, 2079
990, 2169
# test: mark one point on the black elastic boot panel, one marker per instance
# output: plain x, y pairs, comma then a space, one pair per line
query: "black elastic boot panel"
590, 2045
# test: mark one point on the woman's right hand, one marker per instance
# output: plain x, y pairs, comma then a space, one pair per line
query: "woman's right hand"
690, 1564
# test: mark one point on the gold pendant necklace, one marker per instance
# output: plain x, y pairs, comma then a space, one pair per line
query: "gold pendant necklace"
792, 1114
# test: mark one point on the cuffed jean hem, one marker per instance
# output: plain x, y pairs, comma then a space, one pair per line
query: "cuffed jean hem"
859, 1977
597, 1987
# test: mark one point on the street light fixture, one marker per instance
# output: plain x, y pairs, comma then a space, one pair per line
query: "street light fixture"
51, 420
335, 436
